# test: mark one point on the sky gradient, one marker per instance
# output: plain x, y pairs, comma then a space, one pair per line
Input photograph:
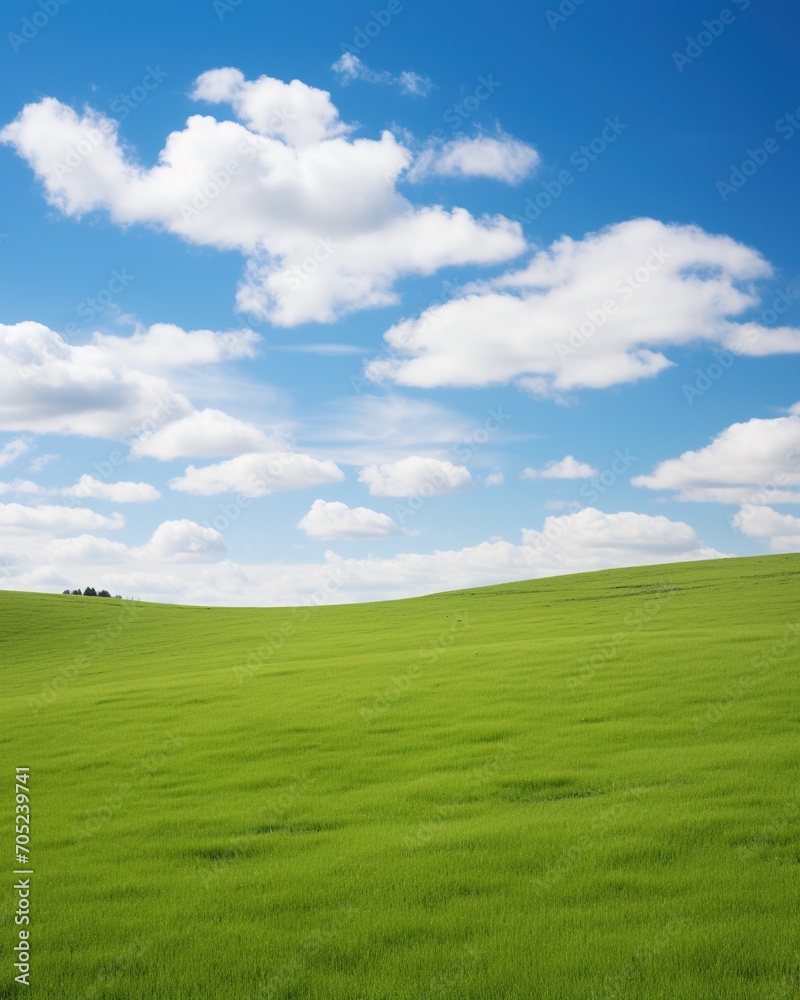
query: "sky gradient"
343, 302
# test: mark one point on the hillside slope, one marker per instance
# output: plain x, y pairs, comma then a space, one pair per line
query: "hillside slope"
585, 786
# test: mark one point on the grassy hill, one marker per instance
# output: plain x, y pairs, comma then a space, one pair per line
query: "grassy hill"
586, 786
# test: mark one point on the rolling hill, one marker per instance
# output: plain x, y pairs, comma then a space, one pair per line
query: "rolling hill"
584, 786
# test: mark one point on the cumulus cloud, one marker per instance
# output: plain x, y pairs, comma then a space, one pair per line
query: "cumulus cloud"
105, 388
256, 475
348, 67
21, 486
116, 387
337, 520
203, 434
415, 475
755, 462
494, 479
590, 536
586, 540
185, 539
503, 158
782, 531
315, 212
164, 346
565, 468
87, 550
54, 519
172, 544
89, 487
11, 452
589, 313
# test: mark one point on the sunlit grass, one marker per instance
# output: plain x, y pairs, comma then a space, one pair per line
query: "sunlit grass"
586, 786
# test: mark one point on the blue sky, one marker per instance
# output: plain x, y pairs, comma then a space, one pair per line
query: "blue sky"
341, 302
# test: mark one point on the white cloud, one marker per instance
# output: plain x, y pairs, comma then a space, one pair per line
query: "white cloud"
315, 212
87, 550
781, 530
293, 112
586, 540
503, 158
185, 539
53, 519
754, 463
172, 544
348, 67
21, 486
565, 468
588, 313
164, 346
11, 452
87, 486
256, 475
204, 434
494, 479
337, 520
427, 477
115, 387
50, 386
415, 84
592, 538
40, 462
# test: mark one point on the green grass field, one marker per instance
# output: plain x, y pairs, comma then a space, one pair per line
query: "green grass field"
586, 786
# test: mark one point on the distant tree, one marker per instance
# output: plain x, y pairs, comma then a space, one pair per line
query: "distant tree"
90, 592
77, 593
118, 596
67, 591
104, 593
